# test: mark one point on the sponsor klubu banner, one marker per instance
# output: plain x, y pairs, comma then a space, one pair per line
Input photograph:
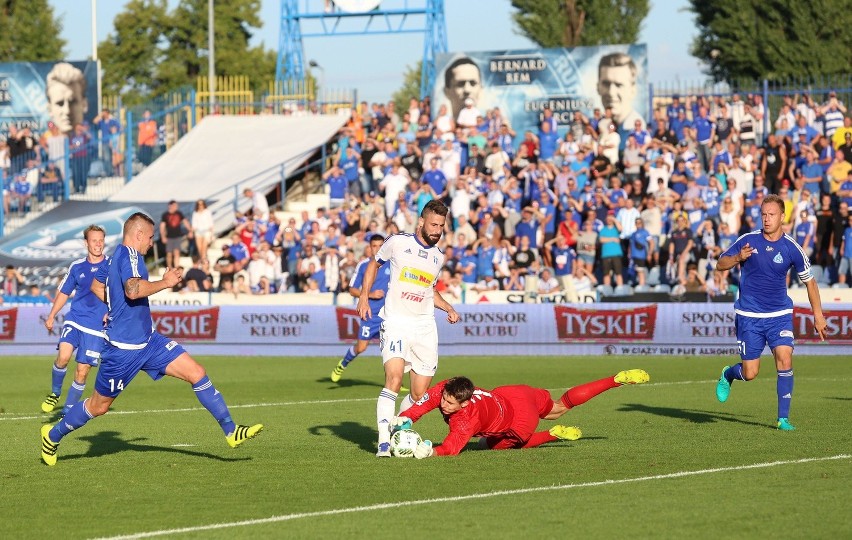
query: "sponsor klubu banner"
523, 82
508, 329
28, 100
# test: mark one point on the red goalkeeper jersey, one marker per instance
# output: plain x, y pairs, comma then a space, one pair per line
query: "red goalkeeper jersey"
487, 414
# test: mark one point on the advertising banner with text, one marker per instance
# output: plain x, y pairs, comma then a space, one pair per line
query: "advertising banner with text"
508, 329
523, 82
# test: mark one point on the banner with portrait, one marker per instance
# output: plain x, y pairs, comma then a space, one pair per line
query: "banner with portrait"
522, 83
35, 93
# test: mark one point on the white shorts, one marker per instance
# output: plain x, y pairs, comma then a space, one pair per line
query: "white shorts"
416, 343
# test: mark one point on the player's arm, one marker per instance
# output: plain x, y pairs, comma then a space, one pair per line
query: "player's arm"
58, 304
440, 303
364, 310
136, 287
816, 306
461, 431
730, 260
98, 289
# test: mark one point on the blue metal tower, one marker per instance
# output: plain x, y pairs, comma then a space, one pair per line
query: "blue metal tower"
377, 16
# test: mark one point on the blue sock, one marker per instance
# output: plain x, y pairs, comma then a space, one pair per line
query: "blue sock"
74, 394
75, 419
215, 403
734, 372
57, 378
785, 392
349, 356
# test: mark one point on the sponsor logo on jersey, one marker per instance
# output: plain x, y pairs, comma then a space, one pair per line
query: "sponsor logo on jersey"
778, 259
786, 333
408, 251
94, 269
770, 248
416, 277
422, 253
413, 296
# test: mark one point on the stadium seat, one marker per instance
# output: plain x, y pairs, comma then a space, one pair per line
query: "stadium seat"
623, 290
642, 288
662, 287
818, 274
605, 290
840, 286
653, 276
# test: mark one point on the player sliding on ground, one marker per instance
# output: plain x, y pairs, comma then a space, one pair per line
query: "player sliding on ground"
132, 345
506, 417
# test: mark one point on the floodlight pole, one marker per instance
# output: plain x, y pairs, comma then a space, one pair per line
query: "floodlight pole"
211, 59
95, 51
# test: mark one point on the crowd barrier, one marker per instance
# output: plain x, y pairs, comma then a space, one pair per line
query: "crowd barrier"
484, 330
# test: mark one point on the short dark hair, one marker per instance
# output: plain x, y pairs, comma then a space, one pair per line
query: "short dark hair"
448, 73
435, 207
460, 388
134, 221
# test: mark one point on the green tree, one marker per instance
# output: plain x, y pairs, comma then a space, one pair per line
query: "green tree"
410, 88
569, 23
153, 51
130, 56
772, 39
29, 32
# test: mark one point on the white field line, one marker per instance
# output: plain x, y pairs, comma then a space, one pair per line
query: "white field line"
473, 496
12, 417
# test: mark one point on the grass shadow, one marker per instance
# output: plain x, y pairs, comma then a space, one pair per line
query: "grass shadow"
348, 383
106, 443
691, 415
838, 398
358, 434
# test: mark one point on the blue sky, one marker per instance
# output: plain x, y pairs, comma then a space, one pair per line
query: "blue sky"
352, 62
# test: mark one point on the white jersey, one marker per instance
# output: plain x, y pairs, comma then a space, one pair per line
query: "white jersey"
414, 271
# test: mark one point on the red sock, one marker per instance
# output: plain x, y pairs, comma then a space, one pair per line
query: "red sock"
580, 394
539, 438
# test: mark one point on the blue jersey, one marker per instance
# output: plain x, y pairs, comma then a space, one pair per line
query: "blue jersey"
87, 311
130, 324
763, 283
379, 284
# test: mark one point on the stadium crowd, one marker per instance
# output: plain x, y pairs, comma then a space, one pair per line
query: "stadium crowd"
569, 206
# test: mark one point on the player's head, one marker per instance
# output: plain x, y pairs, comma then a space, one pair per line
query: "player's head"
374, 244
65, 87
430, 225
462, 80
457, 394
94, 236
772, 212
139, 232
617, 84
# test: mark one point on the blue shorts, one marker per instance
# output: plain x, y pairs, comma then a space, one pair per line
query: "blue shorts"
753, 334
369, 330
120, 366
88, 346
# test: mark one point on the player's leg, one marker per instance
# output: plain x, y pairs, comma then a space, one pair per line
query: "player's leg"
88, 355
423, 357
185, 368
386, 404
750, 343
367, 331
65, 348
580, 394
779, 333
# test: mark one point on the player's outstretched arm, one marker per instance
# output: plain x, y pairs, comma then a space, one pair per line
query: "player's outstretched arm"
816, 306
440, 303
135, 287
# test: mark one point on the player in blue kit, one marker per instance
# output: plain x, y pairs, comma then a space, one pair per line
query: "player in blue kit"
764, 312
83, 328
132, 345
370, 328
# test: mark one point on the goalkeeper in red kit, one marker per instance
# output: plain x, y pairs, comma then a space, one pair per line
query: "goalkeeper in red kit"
506, 417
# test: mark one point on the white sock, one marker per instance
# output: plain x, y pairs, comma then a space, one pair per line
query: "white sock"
384, 413
407, 402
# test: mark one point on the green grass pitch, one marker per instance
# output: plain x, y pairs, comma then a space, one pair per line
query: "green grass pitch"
663, 460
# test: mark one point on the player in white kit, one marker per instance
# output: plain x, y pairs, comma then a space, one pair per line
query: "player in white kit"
409, 338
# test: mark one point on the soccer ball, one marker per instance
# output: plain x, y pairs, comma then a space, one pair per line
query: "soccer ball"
403, 443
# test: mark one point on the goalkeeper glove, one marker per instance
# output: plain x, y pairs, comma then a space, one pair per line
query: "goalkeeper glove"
423, 450
400, 422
